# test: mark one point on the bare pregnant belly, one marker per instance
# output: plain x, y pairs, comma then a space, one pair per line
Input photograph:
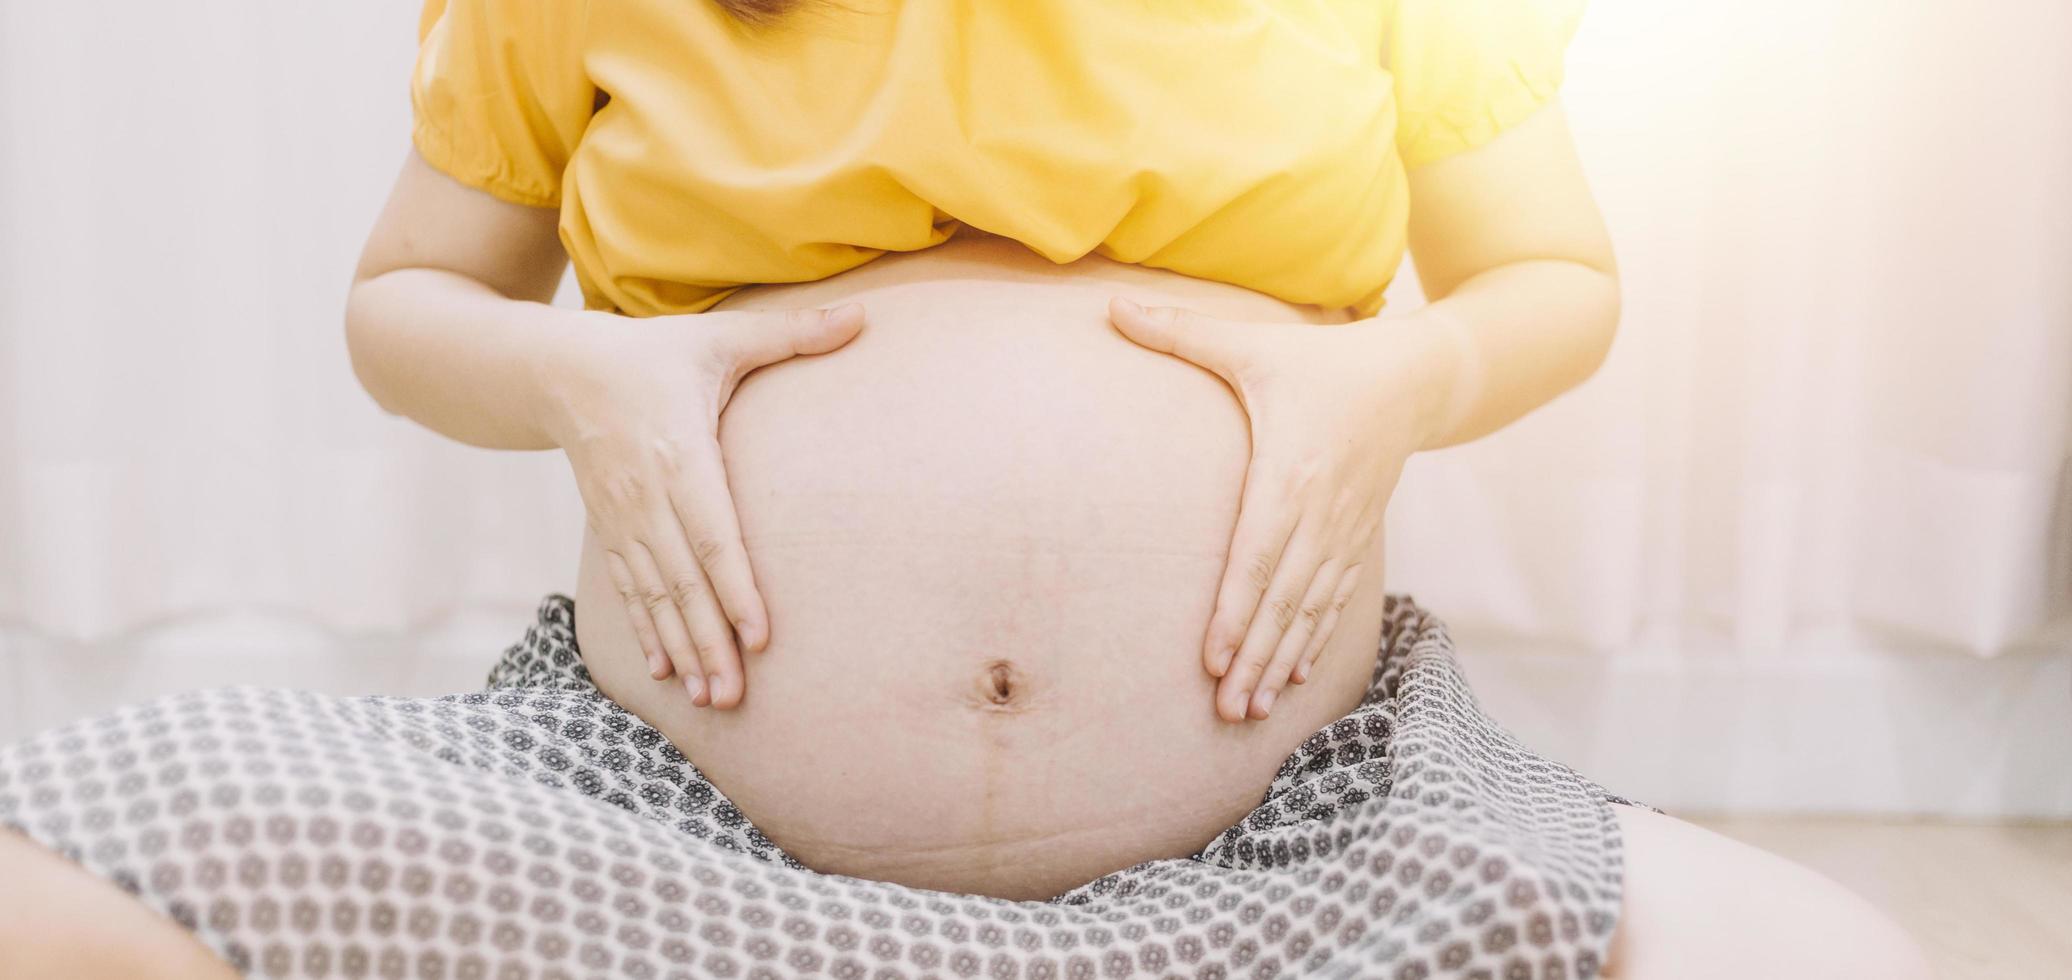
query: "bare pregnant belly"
988, 533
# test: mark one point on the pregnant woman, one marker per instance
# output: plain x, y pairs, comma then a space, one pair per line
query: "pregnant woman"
984, 414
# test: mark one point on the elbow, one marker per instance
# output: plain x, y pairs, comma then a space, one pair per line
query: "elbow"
361, 347
1605, 307
1599, 298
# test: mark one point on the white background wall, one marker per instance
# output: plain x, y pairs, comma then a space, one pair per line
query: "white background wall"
1805, 542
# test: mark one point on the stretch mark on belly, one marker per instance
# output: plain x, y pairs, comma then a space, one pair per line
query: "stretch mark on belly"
999, 686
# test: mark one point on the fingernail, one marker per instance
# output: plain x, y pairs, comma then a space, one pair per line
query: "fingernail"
1222, 661
844, 309
750, 636
1265, 703
695, 685
1129, 306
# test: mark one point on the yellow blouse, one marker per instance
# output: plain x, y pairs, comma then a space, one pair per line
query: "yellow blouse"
1256, 142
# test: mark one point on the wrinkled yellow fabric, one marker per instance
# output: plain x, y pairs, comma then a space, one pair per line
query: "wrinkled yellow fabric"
1258, 142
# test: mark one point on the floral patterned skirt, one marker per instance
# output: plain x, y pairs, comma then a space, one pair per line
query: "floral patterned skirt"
537, 829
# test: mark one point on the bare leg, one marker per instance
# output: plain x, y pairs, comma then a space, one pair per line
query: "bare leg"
1699, 905
58, 920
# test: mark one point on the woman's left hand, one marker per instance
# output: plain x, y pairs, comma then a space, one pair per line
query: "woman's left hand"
1334, 411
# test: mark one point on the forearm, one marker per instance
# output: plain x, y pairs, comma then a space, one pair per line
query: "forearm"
456, 356
1509, 339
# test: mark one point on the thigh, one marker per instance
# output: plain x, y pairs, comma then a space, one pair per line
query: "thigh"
59, 920
1698, 905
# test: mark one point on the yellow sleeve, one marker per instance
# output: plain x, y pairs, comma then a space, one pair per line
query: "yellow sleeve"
1466, 70
499, 96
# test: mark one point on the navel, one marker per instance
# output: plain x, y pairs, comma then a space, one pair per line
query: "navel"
1002, 687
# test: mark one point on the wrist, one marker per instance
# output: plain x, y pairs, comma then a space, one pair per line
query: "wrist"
554, 368
1443, 371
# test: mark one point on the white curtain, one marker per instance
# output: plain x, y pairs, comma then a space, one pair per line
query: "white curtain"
1842, 391
1838, 417
186, 188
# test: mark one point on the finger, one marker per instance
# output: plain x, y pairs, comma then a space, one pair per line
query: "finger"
754, 340
654, 594
1265, 522
636, 611
1287, 653
1339, 599
1182, 333
691, 591
704, 507
1275, 614
1329, 604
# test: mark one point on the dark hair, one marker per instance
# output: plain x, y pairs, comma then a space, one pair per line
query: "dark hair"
755, 11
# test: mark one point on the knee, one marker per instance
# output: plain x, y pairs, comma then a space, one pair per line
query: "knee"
1698, 904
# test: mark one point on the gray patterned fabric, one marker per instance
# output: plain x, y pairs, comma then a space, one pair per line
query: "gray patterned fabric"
537, 829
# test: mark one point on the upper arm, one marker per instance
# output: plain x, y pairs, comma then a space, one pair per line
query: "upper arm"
1493, 173
1520, 196
434, 221
499, 96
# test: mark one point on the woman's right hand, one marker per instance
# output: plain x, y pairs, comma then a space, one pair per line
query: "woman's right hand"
635, 404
